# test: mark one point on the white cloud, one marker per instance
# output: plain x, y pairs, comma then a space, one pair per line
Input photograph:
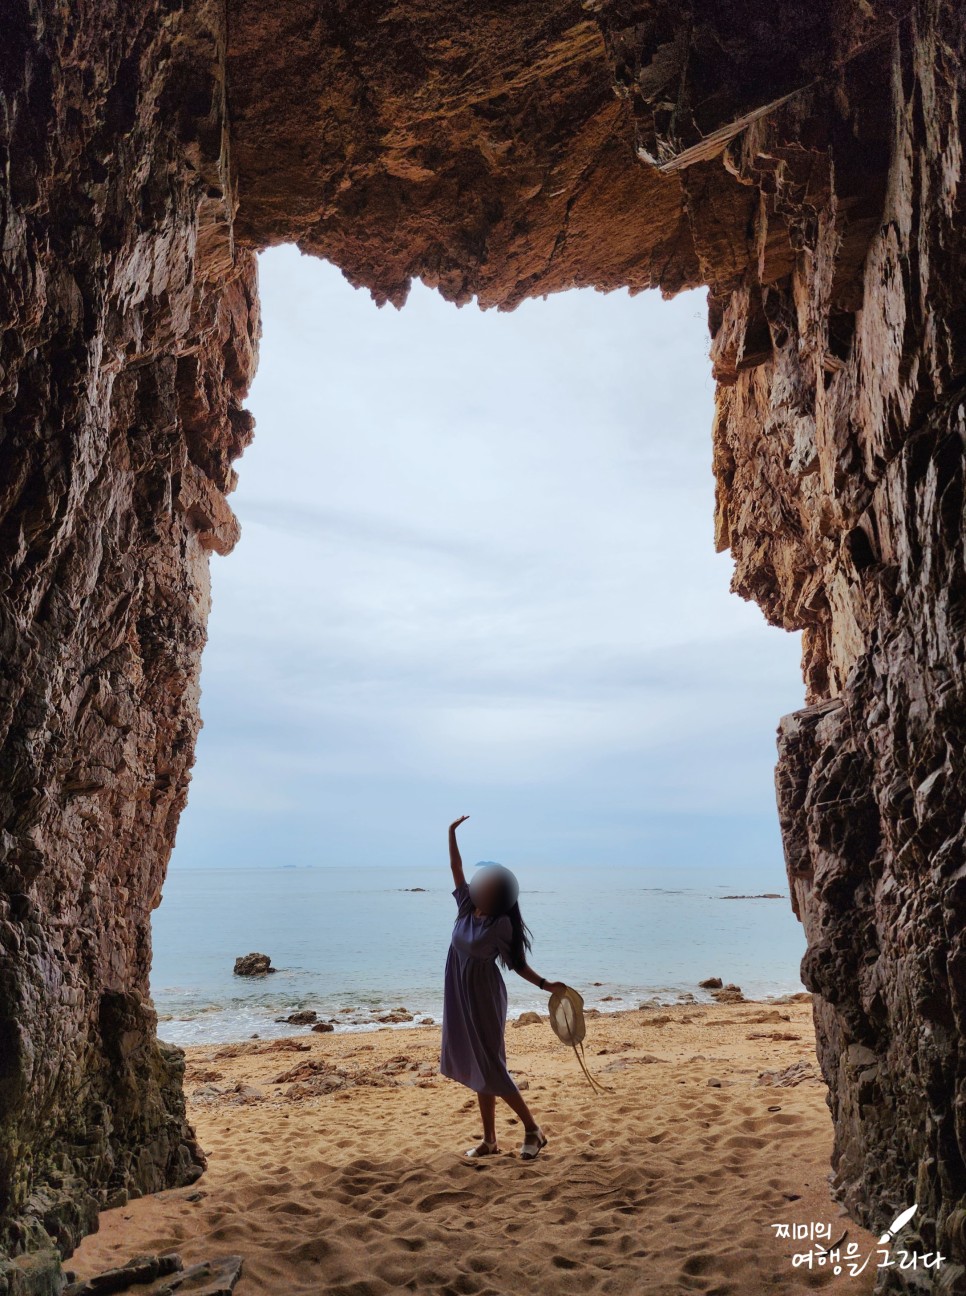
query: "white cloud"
477, 571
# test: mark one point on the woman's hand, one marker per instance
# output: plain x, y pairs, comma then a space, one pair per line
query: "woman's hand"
555, 987
456, 822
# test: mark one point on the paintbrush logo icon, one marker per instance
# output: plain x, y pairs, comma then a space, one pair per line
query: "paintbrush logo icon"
898, 1223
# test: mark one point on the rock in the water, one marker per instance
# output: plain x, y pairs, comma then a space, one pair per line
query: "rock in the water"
305, 1017
253, 965
323, 1027
711, 983
762, 895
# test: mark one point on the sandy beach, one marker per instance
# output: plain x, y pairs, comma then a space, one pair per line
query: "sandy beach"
334, 1164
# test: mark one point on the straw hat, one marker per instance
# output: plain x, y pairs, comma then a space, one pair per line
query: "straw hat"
566, 1010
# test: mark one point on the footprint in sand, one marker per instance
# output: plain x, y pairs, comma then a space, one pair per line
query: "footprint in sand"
745, 1141
409, 1243
313, 1250
440, 1199
290, 1208
564, 1262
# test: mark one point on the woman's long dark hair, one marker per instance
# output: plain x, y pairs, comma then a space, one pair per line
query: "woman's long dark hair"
521, 940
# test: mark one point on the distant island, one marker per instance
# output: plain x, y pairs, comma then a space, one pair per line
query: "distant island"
763, 895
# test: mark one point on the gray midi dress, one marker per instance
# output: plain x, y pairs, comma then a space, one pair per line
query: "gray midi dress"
474, 1001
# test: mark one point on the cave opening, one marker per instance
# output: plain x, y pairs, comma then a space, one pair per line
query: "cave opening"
807, 166
477, 569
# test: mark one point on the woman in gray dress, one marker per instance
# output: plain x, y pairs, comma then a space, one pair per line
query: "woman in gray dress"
488, 927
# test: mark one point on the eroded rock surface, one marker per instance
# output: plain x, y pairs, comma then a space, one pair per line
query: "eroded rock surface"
806, 162
163, 1275
128, 338
480, 148
253, 965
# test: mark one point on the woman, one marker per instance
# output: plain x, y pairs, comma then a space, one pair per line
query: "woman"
489, 926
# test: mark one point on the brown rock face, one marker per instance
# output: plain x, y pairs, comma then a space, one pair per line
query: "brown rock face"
128, 337
840, 467
480, 148
806, 162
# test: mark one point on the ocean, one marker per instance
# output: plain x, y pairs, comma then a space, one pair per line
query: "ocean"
355, 943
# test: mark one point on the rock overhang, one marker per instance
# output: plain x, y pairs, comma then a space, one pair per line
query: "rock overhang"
804, 162
500, 151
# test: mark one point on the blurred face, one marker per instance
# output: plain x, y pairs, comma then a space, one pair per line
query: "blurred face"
486, 891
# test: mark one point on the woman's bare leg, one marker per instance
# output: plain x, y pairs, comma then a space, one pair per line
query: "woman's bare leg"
516, 1103
488, 1113
533, 1136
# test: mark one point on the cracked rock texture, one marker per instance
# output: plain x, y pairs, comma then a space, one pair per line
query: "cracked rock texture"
805, 162
128, 338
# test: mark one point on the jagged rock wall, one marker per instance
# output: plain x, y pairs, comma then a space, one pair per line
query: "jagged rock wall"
128, 339
840, 457
803, 161
480, 148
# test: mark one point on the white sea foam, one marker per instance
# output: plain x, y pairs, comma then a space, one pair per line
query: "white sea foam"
352, 945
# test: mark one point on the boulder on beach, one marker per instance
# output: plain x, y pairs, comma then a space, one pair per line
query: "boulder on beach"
711, 983
528, 1019
799, 1072
253, 965
730, 993
323, 1027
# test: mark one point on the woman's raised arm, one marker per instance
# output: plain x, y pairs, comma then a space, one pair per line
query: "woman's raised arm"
455, 860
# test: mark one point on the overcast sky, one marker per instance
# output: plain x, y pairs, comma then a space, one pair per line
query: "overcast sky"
477, 574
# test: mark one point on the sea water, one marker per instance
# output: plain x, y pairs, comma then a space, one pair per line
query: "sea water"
355, 943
